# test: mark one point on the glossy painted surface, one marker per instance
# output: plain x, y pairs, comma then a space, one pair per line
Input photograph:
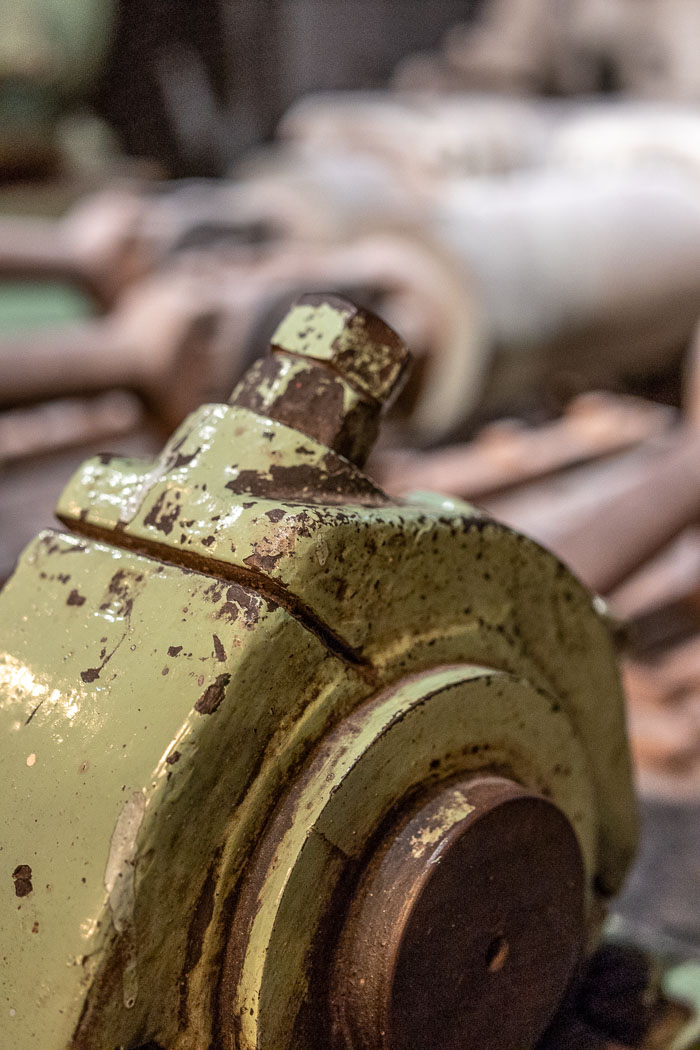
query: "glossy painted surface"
457, 720
459, 581
106, 658
165, 674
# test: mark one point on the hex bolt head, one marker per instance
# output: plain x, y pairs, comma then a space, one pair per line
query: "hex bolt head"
332, 368
353, 342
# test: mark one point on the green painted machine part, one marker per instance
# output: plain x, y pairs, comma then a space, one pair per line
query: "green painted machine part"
289, 764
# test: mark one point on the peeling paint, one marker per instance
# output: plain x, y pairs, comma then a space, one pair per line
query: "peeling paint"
297, 605
119, 871
446, 816
119, 879
22, 876
213, 696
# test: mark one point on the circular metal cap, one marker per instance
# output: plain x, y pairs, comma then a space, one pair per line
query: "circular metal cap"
466, 926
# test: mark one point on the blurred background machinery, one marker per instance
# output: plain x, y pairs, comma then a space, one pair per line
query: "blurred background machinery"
514, 185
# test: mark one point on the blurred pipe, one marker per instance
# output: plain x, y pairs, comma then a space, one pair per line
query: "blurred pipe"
517, 293
92, 246
424, 138
578, 282
552, 282
34, 247
661, 600
508, 453
61, 424
112, 239
605, 548
161, 342
85, 356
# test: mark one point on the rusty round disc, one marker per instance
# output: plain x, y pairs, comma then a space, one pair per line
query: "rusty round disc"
466, 925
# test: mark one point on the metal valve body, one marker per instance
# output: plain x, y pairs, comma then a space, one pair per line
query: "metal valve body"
288, 764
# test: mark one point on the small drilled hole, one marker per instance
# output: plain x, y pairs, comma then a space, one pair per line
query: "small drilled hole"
496, 954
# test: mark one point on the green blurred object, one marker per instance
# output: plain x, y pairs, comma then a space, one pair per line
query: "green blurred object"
682, 982
51, 52
25, 305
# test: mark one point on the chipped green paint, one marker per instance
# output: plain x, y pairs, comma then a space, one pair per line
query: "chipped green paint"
454, 573
170, 664
310, 331
339, 802
106, 708
346, 339
271, 387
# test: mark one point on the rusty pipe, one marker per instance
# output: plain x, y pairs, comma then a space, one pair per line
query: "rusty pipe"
508, 453
92, 246
111, 239
66, 423
37, 248
82, 356
607, 546
161, 342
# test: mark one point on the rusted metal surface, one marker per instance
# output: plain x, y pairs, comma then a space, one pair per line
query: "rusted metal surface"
33, 248
122, 234
507, 454
550, 507
418, 964
162, 341
313, 841
671, 485
661, 601
54, 425
333, 367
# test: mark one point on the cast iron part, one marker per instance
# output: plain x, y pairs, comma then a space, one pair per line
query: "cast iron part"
299, 766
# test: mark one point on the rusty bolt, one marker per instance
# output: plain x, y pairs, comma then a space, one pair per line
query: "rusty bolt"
351, 341
331, 368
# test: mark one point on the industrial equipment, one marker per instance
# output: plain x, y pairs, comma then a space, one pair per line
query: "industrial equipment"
288, 763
